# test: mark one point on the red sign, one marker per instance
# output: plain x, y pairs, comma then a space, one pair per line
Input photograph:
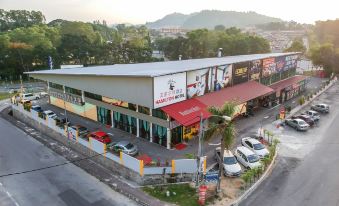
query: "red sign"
202, 194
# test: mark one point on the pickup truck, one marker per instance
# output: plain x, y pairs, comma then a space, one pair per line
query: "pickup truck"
230, 163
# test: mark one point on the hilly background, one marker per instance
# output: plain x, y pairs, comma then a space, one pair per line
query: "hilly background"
210, 18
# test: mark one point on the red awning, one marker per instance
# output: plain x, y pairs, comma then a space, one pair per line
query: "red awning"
187, 112
287, 82
240, 93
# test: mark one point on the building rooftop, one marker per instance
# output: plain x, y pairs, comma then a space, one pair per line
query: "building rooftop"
154, 69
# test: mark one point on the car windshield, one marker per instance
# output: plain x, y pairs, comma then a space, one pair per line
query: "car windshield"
258, 146
230, 160
129, 146
253, 158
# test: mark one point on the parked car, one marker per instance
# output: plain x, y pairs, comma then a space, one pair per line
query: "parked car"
30, 96
323, 108
255, 146
49, 114
306, 118
298, 124
37, 108
313, 114
82, 131
43, 94
125, 147
247, 158
230, 163
100, 136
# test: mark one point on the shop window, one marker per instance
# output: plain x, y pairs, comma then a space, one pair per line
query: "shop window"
125, 122
73, 91
93, 96
56, 86
104, 116
144, 129
159, 113
132, 107
144, 110
159, 135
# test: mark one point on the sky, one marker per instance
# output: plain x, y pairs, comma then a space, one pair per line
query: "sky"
141, 11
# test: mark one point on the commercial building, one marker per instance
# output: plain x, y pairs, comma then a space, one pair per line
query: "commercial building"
163, 101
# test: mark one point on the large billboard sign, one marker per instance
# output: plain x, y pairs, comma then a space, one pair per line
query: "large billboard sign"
280, 63
240, 72
255, 69
221, 77
198, 82
291, 62
269, 67
169, 89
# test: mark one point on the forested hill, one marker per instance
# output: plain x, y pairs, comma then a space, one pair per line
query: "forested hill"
210, 18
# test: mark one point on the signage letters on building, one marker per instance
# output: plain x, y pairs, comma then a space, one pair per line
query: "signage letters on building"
67, 97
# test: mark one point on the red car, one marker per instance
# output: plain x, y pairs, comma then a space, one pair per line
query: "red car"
100, 136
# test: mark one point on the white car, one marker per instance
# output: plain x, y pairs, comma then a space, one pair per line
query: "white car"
255, 146
230, 163
30, 96
247, 158
49, 114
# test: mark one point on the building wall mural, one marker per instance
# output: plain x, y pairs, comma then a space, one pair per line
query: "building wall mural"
87, 110
255, 70
198, 82
221, 77
269, 67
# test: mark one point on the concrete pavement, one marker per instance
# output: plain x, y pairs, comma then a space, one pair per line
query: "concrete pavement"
66, 185
306, 173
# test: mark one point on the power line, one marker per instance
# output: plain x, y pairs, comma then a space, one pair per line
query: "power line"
49, 167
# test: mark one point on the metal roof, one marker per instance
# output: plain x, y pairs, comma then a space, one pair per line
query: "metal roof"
154, 69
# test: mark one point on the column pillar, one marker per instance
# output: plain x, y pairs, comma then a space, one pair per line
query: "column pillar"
150, 127
82, 96
169, 138
138, 132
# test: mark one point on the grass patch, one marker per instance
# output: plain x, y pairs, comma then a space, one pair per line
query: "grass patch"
185, 194
4, 96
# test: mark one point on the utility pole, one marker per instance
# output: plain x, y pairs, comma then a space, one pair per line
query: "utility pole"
197, 180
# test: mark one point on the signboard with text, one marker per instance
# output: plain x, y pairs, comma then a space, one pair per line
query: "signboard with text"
240, 72
169, 89
269, 67
255, 69
67, 97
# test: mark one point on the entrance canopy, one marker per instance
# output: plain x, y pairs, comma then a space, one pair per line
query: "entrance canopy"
287, 82
187, 112
240, 93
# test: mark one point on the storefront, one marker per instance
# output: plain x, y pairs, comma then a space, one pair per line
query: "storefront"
163, 102
289, 88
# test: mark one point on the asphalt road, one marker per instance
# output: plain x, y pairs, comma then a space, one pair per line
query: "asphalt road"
306, 173
59, 186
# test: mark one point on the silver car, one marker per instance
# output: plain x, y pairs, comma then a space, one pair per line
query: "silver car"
298, 124
323, 108
125, 147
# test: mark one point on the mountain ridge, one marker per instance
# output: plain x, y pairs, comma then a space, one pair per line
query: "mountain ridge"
210, 18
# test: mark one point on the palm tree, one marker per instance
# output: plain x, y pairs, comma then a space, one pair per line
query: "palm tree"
226, 130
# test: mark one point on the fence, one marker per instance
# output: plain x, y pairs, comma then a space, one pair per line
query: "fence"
180, 166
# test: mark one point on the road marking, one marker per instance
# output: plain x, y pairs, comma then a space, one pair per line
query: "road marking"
110, 134
9, 195
214, 144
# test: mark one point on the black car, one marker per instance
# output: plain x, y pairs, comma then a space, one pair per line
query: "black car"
37, 108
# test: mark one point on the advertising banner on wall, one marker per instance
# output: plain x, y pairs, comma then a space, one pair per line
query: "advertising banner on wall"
198, 82
169, 89
291, 62
255, 69
240, 72
280, 63
269, 67
221, 77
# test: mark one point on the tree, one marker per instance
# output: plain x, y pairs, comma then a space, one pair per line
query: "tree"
326, 56
297, 46
221, 128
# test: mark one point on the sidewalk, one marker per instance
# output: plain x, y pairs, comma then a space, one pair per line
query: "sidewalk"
87, 164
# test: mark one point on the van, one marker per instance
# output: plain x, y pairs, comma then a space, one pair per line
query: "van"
247, 158
29, 96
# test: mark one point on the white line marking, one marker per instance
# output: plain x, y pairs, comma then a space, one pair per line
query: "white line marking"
0, 184
110, 134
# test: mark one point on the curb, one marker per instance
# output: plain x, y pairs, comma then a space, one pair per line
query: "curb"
255, 185
300, 107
